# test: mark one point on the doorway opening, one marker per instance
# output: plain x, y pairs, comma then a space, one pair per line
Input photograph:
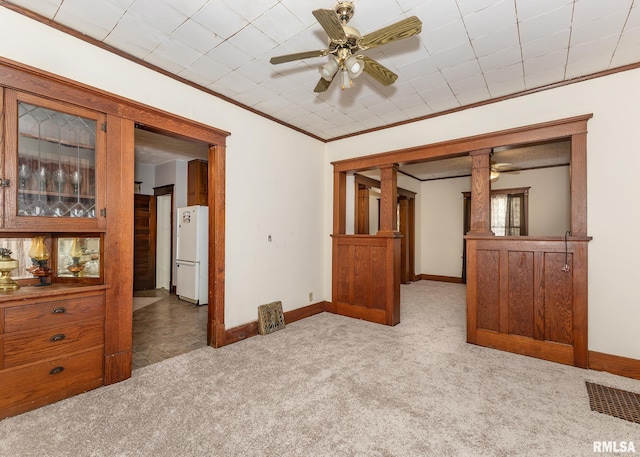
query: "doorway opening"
163, 325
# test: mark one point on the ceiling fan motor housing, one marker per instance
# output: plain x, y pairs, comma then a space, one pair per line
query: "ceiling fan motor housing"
344, 10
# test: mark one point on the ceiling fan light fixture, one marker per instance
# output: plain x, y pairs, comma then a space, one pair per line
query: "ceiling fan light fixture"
346, 80
494, 175
329, 69
354, 66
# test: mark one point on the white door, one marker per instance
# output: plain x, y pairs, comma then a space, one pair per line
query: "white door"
163, 242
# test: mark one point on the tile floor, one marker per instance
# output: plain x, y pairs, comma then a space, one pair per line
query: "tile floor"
166, 328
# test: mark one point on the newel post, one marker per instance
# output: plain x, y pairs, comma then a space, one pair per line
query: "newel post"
480, 192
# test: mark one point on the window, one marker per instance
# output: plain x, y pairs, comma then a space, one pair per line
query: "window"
509, 211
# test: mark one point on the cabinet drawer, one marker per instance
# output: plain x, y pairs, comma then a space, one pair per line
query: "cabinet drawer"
27, 384
21, 348
52, 313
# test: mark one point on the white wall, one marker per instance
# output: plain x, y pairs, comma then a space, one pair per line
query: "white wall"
549, 198
613, 163
442, 226
274, 174
442, 213
146, 174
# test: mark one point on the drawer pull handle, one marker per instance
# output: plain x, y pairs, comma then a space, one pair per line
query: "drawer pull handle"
58, 337
59, 310
56, 370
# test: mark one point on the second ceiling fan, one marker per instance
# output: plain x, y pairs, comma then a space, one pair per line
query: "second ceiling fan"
344, 44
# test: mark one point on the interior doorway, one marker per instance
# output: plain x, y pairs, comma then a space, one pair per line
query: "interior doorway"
163, 325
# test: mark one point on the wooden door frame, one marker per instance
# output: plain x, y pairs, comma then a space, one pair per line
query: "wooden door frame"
361, 222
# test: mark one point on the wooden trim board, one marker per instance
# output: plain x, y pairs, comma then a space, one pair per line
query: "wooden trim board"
621, 366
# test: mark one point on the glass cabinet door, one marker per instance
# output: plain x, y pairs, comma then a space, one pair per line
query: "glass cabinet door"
57, 163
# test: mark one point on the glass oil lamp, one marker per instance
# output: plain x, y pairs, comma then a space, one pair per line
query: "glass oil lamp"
7, 264
39, 257
76, 253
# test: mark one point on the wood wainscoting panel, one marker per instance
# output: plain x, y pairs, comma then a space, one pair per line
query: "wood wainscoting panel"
521, 298
366, 277
520, 289
558, 309
488, 286
379, 279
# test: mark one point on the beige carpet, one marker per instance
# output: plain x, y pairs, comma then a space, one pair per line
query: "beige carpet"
334, 386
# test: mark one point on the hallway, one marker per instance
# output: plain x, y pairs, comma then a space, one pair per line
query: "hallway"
166, 328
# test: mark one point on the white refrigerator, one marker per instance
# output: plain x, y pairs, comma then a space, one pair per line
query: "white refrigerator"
192, 254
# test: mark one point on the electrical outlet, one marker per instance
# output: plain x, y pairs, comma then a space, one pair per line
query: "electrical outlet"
310, 296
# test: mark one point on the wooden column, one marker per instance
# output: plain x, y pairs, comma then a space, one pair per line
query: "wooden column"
480, 192
579, 184
362, 210
339, 202
412, 239
388, 199
217, 217
405, 230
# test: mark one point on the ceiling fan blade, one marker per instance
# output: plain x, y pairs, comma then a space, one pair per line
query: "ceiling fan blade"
403, 29
331, 24
323, 84
379, 72
298, 56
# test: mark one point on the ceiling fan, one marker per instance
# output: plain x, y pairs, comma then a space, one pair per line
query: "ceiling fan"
344, 44
503, 167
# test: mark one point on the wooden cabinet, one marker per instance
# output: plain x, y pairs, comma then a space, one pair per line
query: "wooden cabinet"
51, 346
198, 183
54, 173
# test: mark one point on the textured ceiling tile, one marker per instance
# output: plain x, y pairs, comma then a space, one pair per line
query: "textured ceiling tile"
471, 84
473, 6
501, 59
547, 62
259, 42
186, 7
370, 16
599, 28
408, 5
528, 9
176, 52
587, 11
251, 10
547, 44
271, 24
303, 10
486, 21
46, 8
446, 37
545, 24
585, 66
454, 56
495, 41
192, 34
462, 71
229, 55
220, 19
473, 96
161, 15
436, 13
417, 69
209, 69
506, 87
603, 47
135, 36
